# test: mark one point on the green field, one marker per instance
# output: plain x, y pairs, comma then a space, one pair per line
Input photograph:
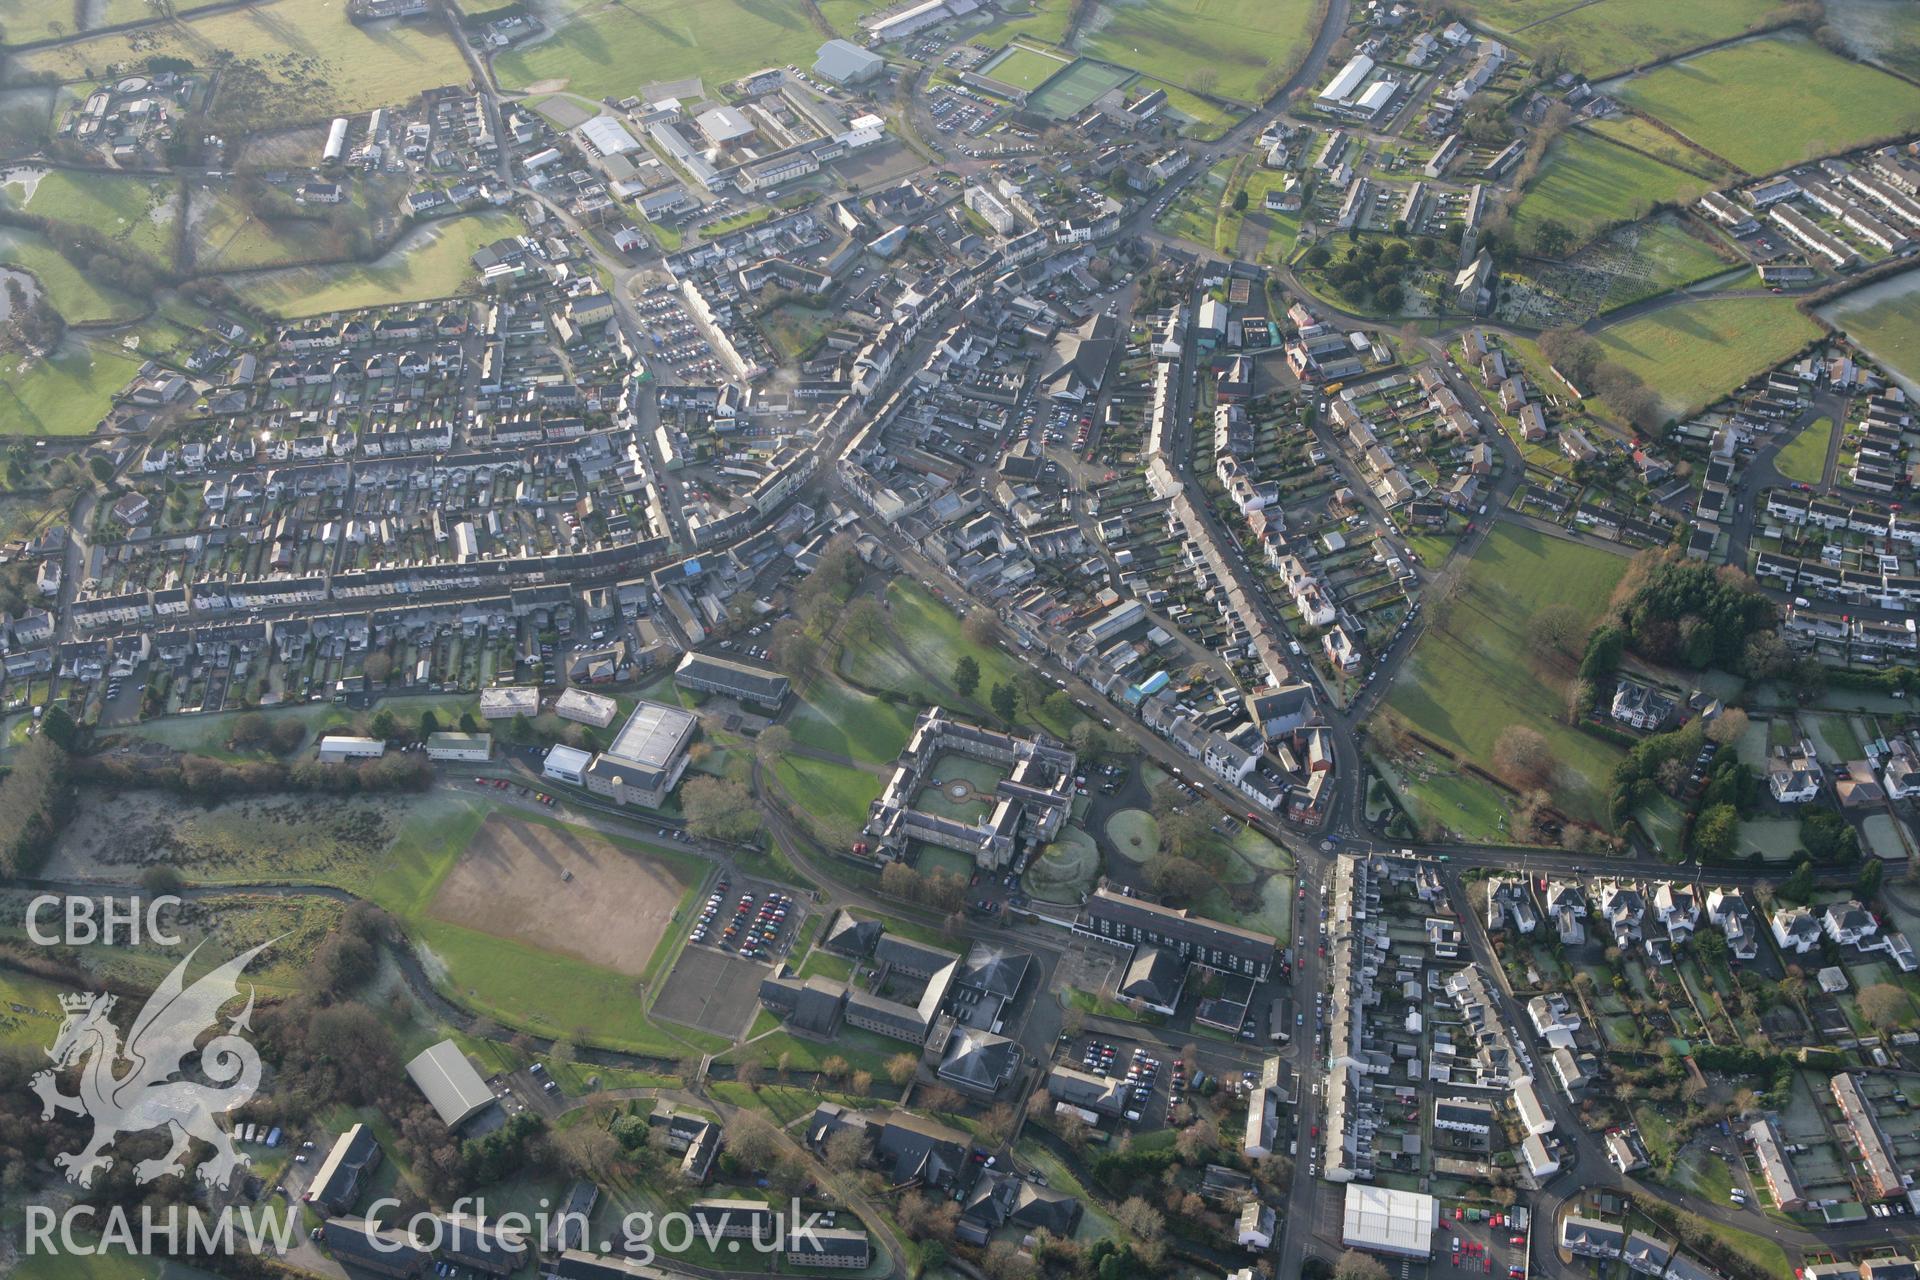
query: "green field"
1025, 68
1612, 34
1882, 31
138, 212
1732, 102
1469, 680
228, 237
1692, 353
1643, 134
1884, 318
291, 60
73, 295
836, 792
1588, 182
601, 48
839, 718
432, 262
1805, 456
1239, 49
65, 394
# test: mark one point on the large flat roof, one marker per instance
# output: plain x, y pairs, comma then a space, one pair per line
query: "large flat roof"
1390, 1221
652, 736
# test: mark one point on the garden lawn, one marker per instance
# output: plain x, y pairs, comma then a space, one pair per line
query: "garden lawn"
433, 262
1776, 101
1471, 679
1588, 182
67, 393
1612, 34
1239, 49
1694, 352
1805, 456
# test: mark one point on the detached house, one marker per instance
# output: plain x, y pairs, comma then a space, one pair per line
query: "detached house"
1797, 930
1730, 913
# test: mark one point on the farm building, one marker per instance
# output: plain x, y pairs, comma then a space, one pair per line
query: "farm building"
460, 746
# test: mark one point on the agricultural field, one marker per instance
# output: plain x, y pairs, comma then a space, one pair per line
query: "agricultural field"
67, 393
1884, 318
1642, 134
72, 294
1694, 352
433, 261
1445, 694
1730, 102
1609, 35
601, 48
1805, 456
139, 212
1588, 182
1238, 49
1881, 31
291, 60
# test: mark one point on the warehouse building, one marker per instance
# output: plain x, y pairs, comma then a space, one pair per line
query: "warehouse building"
450, 1082
845, 62
1381, 1220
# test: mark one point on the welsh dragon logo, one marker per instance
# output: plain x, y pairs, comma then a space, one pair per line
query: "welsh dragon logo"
131, 1087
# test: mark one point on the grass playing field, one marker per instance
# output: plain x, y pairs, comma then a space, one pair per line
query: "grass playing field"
1470, 679
1735, 102
290, 60
1884, 318
1239, 49
1025, 68
1588, 182
605, 49
1692, 353
431, 262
